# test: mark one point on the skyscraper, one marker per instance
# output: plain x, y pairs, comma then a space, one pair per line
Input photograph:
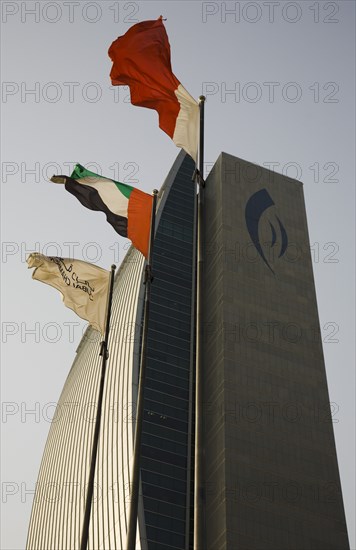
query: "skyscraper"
270, 463
271, 467
164, 513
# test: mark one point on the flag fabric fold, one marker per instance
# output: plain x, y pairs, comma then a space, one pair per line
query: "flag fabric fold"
84, 286
127, 209
142, 60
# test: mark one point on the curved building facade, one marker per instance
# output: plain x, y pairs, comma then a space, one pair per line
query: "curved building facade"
164, 517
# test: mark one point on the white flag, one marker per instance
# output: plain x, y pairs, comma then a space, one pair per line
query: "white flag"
84, 287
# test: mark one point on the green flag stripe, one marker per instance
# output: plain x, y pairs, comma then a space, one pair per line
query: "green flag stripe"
81, 172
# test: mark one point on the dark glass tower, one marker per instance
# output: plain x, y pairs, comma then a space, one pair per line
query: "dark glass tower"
168, 390
272, 480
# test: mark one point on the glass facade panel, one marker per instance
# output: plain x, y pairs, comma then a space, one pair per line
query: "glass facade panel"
165, 443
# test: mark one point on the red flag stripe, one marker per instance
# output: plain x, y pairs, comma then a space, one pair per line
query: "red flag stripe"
139, 220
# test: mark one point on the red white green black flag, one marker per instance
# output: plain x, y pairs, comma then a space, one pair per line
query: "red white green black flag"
127, 209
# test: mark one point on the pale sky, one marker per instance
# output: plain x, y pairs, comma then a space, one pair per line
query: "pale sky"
280, 84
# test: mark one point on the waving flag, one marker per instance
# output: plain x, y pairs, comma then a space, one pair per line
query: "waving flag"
84, 287
142, 60
127, 209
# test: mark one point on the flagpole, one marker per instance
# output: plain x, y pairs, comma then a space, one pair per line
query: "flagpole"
104, 352
135, 481
199, 491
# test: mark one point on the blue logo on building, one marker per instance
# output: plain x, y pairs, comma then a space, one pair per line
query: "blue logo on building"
256, 205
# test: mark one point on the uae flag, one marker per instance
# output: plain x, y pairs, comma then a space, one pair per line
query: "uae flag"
127, 209
142, 60
84, 287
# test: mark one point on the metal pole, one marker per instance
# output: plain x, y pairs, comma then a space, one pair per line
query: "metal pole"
135, 482
104, 352
199, 491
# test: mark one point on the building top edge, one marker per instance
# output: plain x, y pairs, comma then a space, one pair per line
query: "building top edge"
239, 159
